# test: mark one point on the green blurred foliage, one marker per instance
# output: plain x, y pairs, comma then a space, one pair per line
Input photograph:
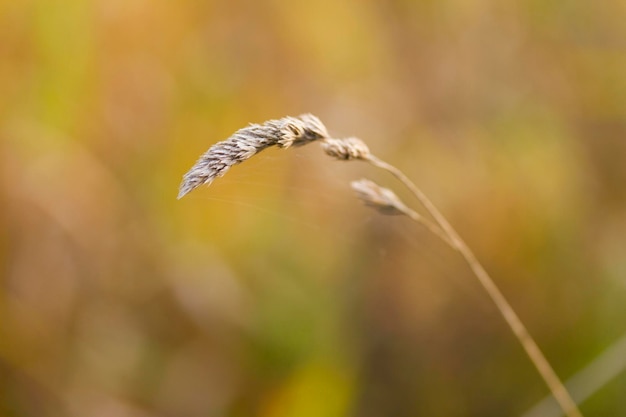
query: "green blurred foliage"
273, 292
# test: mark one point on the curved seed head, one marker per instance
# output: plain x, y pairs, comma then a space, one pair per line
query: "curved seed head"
247, 142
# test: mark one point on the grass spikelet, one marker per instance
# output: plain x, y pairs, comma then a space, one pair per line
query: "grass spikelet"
247, 142
380, 198
346, 149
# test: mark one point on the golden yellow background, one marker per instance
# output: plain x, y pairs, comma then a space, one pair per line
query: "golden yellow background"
274, 292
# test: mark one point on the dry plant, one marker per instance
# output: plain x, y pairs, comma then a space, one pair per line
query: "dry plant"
297, 131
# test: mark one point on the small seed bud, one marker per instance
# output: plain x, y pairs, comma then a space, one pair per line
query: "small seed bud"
378, 197
346, 149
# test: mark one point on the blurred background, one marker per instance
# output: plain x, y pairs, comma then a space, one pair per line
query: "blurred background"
274, 292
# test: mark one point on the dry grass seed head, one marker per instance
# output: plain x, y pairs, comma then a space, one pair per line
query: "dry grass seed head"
380, 198
247, 142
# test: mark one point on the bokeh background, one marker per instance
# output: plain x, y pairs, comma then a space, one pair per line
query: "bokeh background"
274, 292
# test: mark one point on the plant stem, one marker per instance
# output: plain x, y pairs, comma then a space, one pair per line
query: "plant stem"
432, 227
555, 385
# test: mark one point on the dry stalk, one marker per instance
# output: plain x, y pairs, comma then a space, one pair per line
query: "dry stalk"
292, 131
452, 238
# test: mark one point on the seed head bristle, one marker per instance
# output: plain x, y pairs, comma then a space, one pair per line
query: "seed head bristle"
247, 142
380, 198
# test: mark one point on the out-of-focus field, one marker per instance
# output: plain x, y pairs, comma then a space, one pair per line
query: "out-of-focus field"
274, 292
